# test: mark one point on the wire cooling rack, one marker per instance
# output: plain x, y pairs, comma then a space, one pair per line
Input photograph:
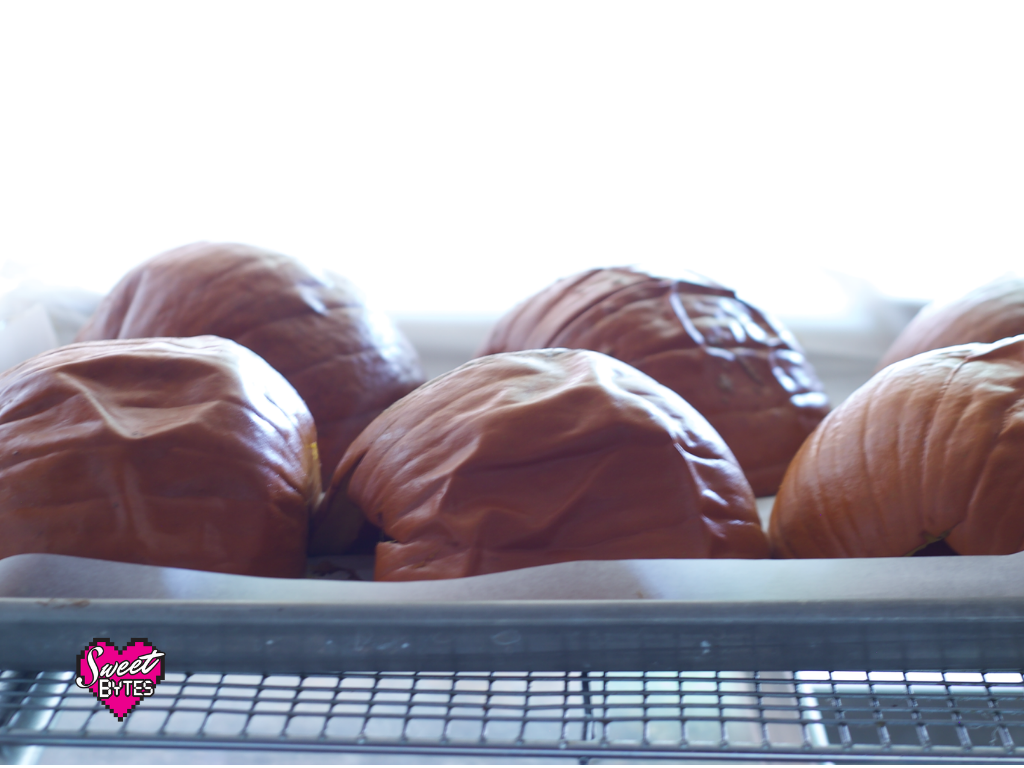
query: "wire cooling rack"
788, 716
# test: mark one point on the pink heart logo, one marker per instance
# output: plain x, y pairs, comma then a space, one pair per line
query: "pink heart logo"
120, 679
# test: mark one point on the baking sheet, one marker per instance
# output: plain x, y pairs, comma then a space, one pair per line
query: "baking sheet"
905, 613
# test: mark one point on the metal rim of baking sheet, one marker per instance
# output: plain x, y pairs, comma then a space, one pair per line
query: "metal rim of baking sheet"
899, 613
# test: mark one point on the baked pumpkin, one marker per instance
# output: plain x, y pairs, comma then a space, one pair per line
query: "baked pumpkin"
529, 458
930, 449
992, 312
192, 453
741, 369
347, 362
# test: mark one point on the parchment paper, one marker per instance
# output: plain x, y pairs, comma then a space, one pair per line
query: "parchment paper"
719, 581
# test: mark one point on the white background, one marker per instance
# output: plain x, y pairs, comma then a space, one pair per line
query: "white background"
453, 157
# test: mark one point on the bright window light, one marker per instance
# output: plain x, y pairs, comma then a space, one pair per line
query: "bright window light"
454, 157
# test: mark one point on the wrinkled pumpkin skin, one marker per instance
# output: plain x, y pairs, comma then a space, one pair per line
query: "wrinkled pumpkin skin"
347, 362
739, 368
931, 448
530, 458
192, 453
987, 314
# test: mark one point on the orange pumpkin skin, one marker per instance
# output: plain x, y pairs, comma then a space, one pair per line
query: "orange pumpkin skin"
738, 367
530, 458
191, 453
930, 448
989, 313
347, 362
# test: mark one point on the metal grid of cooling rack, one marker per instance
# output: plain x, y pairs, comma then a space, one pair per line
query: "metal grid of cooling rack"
802, 716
